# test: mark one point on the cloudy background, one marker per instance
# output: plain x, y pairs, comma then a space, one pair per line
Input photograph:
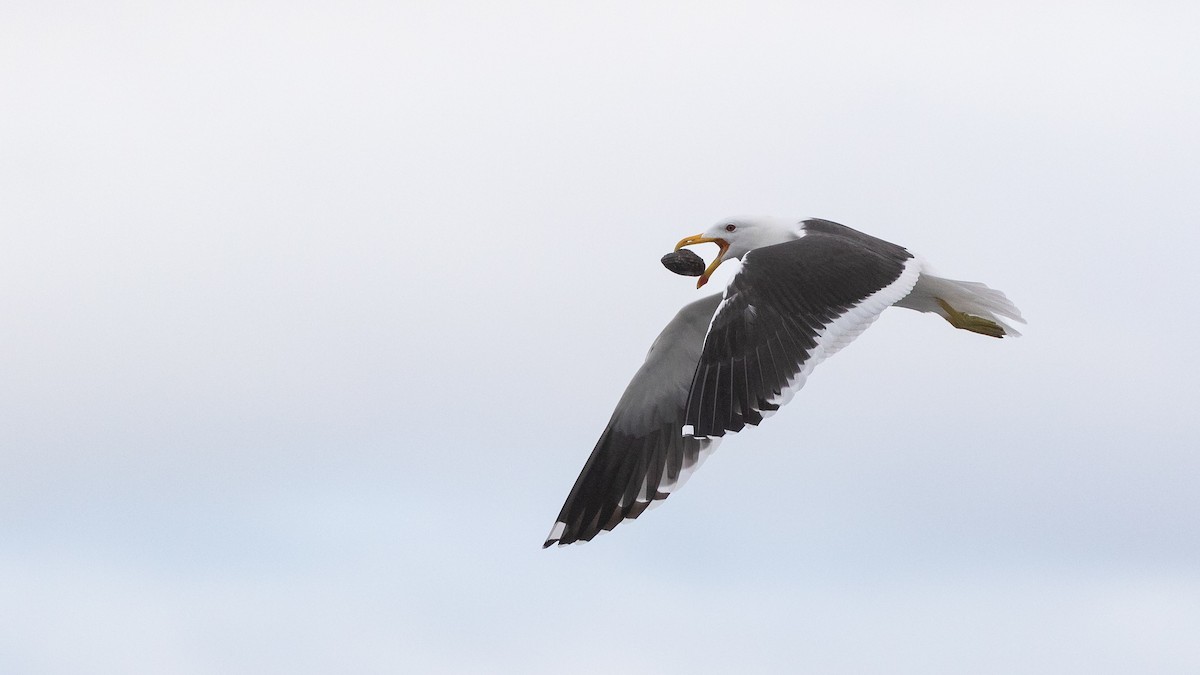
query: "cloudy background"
311, 312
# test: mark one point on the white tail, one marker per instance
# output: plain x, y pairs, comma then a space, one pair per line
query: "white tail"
960, 301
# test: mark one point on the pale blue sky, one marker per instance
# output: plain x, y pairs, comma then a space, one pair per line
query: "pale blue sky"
312, 313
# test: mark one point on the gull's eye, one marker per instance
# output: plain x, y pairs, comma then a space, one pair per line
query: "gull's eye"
730, 227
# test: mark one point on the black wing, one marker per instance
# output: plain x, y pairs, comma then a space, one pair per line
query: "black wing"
642, 456
790, 306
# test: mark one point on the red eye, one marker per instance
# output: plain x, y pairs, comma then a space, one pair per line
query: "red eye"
730, 227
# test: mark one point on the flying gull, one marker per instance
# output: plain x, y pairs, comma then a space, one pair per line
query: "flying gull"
805, 290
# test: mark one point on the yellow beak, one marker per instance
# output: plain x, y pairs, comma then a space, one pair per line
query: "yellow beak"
712, 267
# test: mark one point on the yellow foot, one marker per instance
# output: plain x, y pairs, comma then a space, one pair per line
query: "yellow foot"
975, 324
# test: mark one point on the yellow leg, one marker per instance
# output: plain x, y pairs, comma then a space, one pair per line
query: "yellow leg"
975, 324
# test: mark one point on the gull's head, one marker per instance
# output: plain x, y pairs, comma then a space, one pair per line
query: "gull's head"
738, 236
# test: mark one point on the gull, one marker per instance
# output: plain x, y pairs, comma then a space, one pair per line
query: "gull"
806, 288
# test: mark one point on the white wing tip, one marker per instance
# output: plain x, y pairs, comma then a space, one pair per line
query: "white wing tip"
556, 533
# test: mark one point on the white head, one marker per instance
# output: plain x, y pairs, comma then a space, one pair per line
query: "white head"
739, 236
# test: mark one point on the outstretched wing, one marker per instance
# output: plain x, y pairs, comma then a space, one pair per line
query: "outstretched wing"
789, 307
642, 456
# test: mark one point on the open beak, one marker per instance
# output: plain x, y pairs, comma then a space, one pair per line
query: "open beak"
712, 267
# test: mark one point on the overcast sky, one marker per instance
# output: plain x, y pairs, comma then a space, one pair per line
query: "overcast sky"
310, 314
